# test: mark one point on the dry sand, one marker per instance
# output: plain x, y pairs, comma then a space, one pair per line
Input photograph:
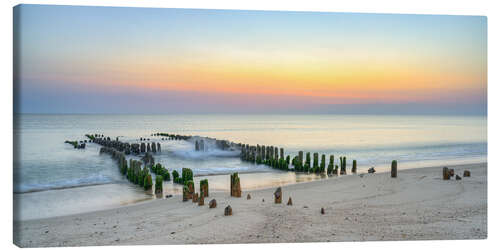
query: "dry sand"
418, 205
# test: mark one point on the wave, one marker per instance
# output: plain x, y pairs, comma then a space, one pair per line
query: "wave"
73, 183
187, 150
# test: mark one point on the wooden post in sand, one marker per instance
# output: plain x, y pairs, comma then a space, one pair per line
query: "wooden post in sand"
204, 187
466, 173
446, 173
394, 169
354, 168
301, 157
235, 185
278, 195
282, 153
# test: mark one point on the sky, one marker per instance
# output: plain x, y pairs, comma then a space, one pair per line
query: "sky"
71, 59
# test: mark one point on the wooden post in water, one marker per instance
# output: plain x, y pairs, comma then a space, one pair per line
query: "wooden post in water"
322, 164
315, 160
282, 153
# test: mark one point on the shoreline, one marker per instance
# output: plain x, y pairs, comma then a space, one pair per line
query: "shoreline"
415, 206
140, 201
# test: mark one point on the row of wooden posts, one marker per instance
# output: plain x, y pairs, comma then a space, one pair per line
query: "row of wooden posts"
268, 155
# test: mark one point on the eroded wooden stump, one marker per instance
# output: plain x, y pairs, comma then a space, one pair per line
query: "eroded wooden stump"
235, 185
278, 195
212, 203
446, 173
201, 200
466, 173
228, 211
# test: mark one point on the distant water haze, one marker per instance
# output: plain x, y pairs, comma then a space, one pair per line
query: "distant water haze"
46, 169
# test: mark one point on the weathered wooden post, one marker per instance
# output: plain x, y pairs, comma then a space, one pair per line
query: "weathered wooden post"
143, 147
204, 187
394, 169
195, 197
446, 173
278, 195
201, 200
159, 185
212, 203
322, 164
301, 159
307, 165
354, 168
158, 146
148, 147
153, 147
228, 211
315, 160
276, 153
343, 165
235, 185
196, 146
466, 173
282, 153
330, 165
188, 191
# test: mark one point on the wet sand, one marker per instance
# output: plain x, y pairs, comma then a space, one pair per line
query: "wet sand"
418, 205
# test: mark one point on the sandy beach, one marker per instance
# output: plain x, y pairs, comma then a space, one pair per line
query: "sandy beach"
417, 205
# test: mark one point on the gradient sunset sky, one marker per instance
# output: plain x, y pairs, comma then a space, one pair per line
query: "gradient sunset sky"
144, 60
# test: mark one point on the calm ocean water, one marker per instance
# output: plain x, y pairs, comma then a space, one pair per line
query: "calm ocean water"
51, 178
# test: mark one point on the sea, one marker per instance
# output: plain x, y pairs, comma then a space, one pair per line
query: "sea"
52, 178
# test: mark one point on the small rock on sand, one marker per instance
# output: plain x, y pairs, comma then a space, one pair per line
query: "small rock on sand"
457, 177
